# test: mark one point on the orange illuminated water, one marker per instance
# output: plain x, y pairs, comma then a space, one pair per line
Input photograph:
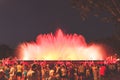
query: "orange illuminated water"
60, 46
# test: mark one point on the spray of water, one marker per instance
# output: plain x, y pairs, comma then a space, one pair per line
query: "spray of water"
59, 46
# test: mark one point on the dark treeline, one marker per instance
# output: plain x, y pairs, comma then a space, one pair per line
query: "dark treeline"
112, 42
6, 51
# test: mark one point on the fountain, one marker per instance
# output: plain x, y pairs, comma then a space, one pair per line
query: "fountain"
60, 46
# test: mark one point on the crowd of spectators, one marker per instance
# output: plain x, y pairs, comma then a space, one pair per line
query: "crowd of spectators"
13, 69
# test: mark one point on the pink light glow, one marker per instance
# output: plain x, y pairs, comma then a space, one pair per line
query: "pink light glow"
60, 46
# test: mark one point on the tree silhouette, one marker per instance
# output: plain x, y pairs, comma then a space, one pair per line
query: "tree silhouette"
5, 51
97, 7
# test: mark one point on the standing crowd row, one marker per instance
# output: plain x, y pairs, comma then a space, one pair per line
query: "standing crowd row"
57, 71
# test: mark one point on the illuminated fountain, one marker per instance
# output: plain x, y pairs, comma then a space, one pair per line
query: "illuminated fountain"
60, 46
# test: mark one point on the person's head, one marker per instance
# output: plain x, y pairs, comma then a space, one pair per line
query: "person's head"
10, 65
19, 62
34, 67
0, 63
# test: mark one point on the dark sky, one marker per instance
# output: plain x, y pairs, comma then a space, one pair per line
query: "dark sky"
23, 20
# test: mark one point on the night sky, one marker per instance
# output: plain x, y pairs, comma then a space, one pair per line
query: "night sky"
23, 20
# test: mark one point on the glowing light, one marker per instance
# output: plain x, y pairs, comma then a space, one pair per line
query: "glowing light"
59, 46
